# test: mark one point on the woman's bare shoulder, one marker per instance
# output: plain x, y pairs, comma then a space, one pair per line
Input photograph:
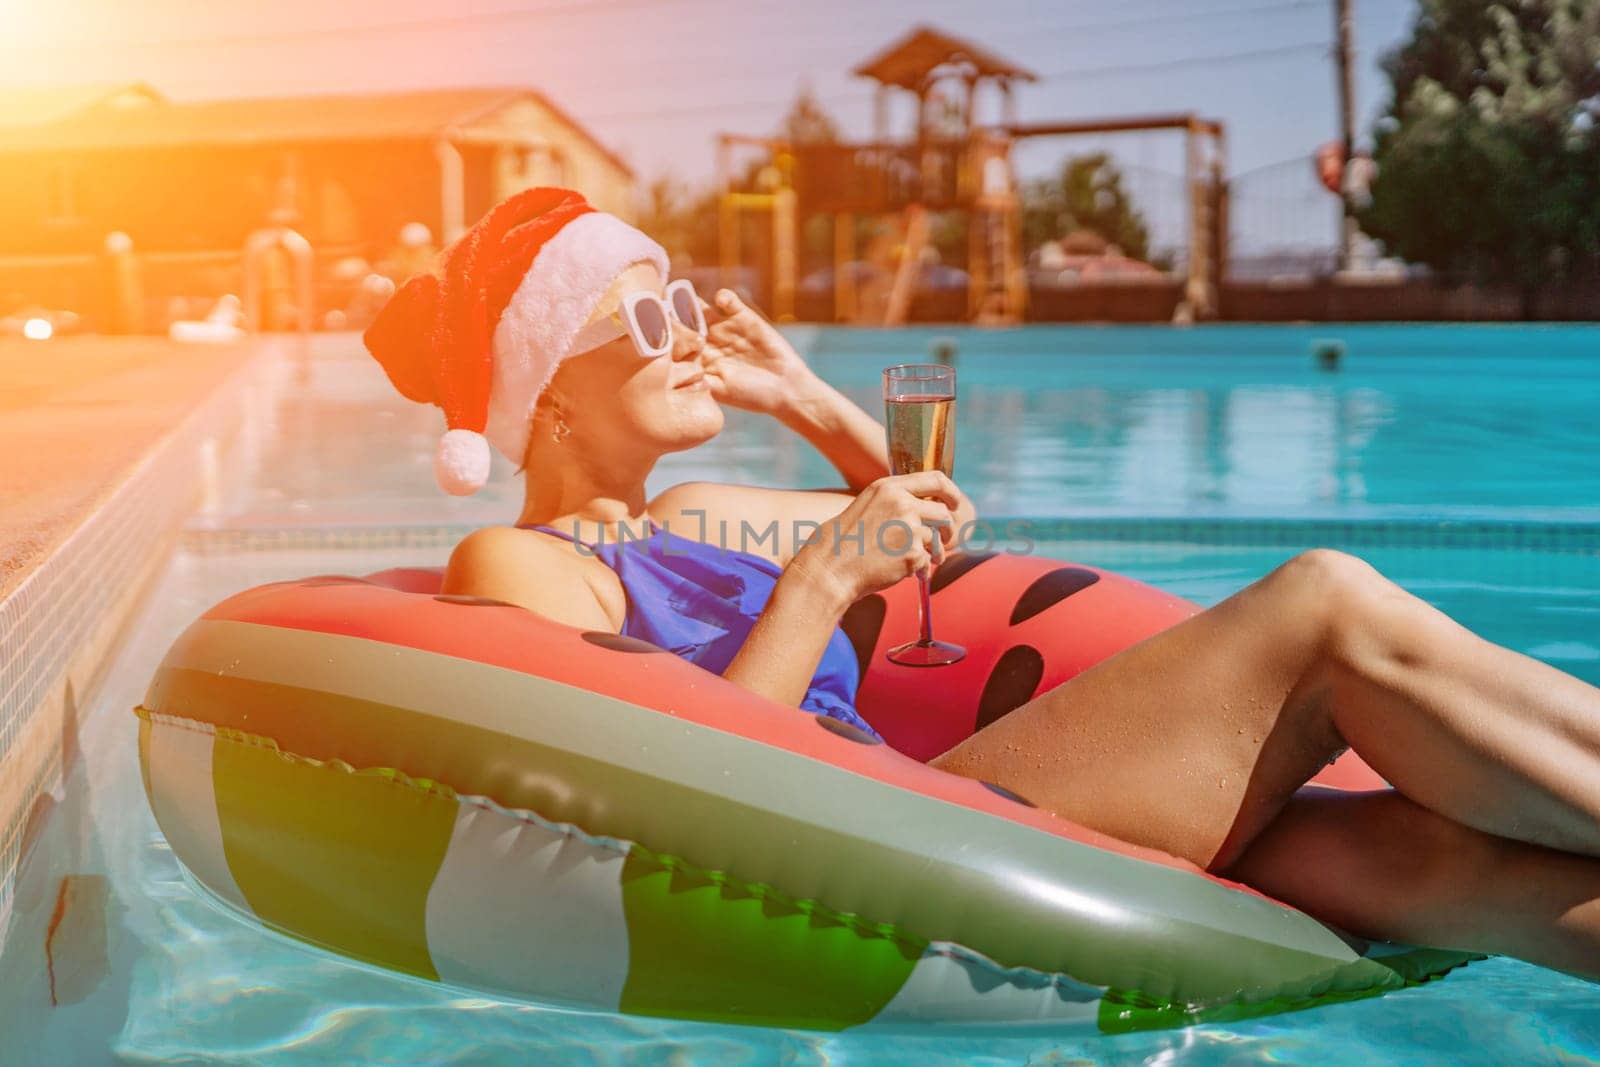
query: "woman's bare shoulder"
539, 572
755, 519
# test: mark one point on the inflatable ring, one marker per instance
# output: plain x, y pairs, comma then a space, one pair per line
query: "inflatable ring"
458, 789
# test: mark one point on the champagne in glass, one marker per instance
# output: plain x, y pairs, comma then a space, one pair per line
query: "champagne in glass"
922, 433
920, 414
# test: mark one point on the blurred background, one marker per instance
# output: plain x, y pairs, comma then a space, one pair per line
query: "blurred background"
196, 168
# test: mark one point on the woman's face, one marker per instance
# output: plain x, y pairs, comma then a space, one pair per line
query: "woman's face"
613, 398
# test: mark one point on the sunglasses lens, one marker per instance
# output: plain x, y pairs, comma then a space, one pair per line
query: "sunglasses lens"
686, 306
651, 317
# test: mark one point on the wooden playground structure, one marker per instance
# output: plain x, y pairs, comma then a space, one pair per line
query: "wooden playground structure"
949, 163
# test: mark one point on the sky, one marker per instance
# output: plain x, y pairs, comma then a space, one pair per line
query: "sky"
656, 79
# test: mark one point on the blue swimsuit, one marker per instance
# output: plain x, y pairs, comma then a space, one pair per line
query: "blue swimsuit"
700, 601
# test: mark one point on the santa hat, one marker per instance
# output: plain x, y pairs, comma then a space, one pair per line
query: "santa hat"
480, 333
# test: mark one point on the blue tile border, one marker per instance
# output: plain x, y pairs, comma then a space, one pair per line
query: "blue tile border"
1578, 538
1582, 538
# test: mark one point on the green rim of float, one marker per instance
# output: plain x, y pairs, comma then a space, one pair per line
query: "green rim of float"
677, 911
500, 806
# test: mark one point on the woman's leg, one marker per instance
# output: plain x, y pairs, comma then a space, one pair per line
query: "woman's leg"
1382, 867
1194, 740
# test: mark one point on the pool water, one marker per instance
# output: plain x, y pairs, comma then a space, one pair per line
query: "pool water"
1240, 420
136, 965
1435, 421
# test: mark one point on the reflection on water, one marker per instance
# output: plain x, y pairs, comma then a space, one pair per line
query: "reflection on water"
1064, 421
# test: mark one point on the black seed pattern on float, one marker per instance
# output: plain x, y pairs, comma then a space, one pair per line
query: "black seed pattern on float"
1008, 794
619, 643
471, 601
1050, 589
846, 731
1011, 684
956, 565
861, 624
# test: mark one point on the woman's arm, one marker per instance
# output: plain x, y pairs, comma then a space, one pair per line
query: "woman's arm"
777, 660
751, 365
779, 657
781, 653
847, 437
527, 569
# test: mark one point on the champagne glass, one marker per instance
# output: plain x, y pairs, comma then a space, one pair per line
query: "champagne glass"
920, 408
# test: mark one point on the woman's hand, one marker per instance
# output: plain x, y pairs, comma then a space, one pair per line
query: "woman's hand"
750, 365
748, 362
886, 533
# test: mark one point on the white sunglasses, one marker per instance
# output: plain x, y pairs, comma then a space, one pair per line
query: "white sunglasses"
646, 318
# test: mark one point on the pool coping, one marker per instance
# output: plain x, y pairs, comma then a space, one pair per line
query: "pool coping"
62, 620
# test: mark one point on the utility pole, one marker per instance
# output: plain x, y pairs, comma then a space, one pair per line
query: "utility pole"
1343, 57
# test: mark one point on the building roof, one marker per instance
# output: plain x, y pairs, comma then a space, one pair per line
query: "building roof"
38, 105
908, 62
419, 115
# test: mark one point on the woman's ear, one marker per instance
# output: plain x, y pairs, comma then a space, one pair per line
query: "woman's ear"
552, 403
547, 419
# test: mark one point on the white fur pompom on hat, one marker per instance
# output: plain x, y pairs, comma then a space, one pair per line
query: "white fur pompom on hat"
461, 463
481, 333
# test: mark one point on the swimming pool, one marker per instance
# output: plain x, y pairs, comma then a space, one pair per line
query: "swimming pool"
1091, 446
1420, 422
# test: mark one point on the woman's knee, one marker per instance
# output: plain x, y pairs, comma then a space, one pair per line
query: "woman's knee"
1333, 589
1365, 619
1328, 569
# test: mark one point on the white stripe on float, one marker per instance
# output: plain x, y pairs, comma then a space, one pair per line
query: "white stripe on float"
951, 984
521, 909
184, 797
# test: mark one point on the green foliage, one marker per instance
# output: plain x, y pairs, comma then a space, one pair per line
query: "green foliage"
808, 122
1489, 157
684, 223
1087, 196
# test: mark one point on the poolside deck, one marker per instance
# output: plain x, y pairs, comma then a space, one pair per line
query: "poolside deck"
77, 415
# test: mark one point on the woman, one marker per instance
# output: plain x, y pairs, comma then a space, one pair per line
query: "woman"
529, 333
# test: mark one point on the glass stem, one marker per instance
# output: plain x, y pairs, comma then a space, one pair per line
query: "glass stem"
927, 613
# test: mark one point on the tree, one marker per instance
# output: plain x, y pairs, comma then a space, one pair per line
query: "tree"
807, 122
685, 220
1087, 196
681, 221
1489, 155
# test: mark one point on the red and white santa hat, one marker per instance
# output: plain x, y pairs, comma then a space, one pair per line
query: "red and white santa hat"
481, 333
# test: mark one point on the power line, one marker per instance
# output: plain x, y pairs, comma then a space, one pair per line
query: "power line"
1292, 5
1225, 59
478, 18
576, 7
589, 7
864, 95
1280, 7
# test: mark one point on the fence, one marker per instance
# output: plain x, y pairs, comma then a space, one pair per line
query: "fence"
170, 285
1282, 224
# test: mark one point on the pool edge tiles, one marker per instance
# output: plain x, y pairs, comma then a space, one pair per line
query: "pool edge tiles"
1014, 533
61, 621
1509, 533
